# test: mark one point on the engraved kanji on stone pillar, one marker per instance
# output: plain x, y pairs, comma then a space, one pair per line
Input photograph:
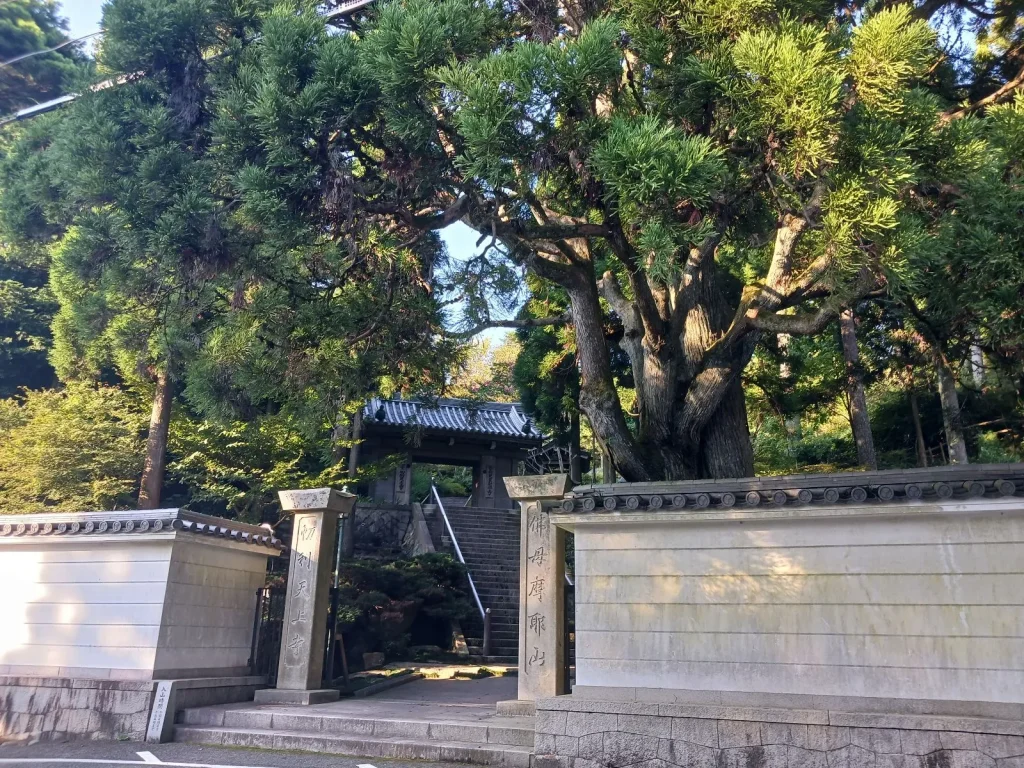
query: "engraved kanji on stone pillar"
541, 587
314, 533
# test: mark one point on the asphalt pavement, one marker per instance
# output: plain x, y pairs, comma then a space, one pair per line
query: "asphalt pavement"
101, 754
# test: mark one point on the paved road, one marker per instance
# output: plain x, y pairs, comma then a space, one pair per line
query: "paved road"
110, 754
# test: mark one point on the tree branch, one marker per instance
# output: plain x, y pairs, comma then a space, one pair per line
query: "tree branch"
529, 322
998, 95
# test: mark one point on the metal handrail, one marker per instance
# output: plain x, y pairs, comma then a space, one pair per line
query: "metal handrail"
458, 551
484, 614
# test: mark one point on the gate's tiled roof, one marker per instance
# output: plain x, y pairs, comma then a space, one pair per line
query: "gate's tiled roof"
498, 419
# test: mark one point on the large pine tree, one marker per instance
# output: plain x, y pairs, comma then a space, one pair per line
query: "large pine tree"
704, 175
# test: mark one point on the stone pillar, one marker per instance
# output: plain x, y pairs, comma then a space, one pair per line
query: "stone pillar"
403, 483
488, 481
541, 587
314, 530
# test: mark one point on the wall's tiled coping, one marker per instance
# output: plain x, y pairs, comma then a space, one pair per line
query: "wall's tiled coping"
133, 523
891, 487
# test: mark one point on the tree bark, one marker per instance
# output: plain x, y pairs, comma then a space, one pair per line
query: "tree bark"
951, 421
915, 414
860, 421
691, 412
726, 449
607, 469
575, 460
156, 444
353, 451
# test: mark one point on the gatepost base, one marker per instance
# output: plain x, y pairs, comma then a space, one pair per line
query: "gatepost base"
284, 696
517, 708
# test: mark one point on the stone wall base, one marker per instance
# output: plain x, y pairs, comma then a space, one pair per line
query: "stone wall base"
64, 708
584, 733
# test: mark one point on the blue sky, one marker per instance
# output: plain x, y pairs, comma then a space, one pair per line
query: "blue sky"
84, 18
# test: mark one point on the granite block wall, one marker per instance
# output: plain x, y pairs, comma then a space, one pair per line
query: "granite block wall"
58, 709
624, 734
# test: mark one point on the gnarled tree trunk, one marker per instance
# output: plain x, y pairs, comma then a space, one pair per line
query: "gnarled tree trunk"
915, 415
951, 421
156, 444
860, 421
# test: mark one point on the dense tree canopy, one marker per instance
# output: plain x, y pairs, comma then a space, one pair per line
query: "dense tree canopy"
245, 224
705, 177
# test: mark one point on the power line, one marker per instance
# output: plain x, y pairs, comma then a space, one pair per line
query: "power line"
344, 8
48, 50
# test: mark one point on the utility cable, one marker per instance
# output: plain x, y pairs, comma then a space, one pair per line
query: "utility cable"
24, 56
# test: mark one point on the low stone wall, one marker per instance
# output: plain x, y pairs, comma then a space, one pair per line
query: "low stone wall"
64, 708
581, 733
60, 708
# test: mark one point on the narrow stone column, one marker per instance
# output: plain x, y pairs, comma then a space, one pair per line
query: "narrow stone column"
314, 531
541, 587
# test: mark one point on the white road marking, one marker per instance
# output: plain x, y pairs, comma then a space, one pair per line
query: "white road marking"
97, 761
148, 757
365, 765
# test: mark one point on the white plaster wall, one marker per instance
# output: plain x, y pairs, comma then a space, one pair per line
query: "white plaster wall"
128, 606
211, 598
925, 605
82, 607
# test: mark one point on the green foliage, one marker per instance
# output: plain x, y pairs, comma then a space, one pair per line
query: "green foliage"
450, 481
35, 25
26, 308
76, 450
235, 469
379, 602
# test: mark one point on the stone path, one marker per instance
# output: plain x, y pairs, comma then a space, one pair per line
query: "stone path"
438, 720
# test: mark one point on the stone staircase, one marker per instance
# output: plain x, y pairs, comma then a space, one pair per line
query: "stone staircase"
489, 540
500, 741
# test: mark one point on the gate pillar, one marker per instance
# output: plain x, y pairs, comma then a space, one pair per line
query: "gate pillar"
314, 532
542, 651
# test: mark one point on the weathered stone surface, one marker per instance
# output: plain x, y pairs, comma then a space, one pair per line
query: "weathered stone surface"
685, 753
851, 757
919, 742
302, 640
537, 486
645, 725
753, 757
827, 738
695, 731
790, 734
541, 614
553, 761
957, 740
520, 737
877, 740
895, 761
623, 749
77, 721
591, 746
544, 744
582, 723
467, 732
567, 745
799, 757
1000, 746
550, 721
317, 499
738, 733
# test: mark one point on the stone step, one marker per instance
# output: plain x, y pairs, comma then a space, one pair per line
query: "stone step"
514, 733
480, 753
508, 660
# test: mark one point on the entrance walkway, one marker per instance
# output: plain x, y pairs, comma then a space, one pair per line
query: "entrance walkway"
439, 720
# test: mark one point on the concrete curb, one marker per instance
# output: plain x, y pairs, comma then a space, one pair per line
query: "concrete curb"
387, 684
